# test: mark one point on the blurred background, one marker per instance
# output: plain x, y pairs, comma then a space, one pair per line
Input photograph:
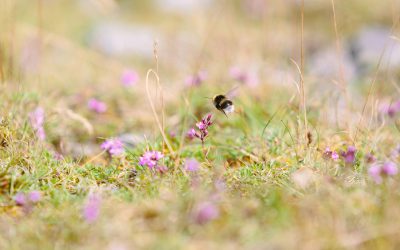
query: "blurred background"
68, 53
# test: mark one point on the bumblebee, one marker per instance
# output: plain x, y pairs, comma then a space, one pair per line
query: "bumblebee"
223, 104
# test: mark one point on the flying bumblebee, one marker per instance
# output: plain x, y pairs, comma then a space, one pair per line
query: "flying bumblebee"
223, 104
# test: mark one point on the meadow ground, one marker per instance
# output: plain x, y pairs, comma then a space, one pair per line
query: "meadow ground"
109, 139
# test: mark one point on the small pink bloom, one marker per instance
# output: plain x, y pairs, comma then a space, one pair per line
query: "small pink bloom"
390, 109
150, 159
389, 168
113, 146
172, 133
97, 106
197, 79
37, 122
191, 133
192, 165
329, 154
249, 78
206, 212
129, 78
35, 196
378, 172
375, 172
91, 210
335, 156
20, 199
349, 155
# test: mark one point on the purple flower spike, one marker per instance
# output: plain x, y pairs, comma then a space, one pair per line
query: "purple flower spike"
97, 106
203, 125
129, 78
113, 146
206, 212
192, 165
91, 211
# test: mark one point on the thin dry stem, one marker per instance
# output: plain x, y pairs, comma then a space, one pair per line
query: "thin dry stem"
153, 109
303, 95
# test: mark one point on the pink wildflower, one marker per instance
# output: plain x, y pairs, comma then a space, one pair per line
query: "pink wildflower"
203, 126
37, 122
390, 109
35, 196
197, 79
129, 78
206, 212
91, 210
191, 133
97, 106
20, 199
150, 159
349, 155
192, 165
249, 78
379, 171
113, 146
329, 154
27, 201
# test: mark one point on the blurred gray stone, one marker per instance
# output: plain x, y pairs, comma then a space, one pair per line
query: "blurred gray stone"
131, 140
367, 47
123, 40
325, 64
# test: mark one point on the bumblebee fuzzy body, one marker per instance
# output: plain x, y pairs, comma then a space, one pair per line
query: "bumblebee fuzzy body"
223, 104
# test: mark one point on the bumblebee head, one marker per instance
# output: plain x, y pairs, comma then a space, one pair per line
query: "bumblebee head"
218, 99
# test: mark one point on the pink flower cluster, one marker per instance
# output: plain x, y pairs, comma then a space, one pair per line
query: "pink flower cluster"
197, 79
97, 106
330, 154
27, 201
349, 155
113, 146
379, 171
22, 199
37, 121
203, 126
151, 160
91, 210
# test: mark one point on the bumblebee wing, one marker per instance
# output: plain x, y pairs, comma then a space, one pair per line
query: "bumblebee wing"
232, 92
